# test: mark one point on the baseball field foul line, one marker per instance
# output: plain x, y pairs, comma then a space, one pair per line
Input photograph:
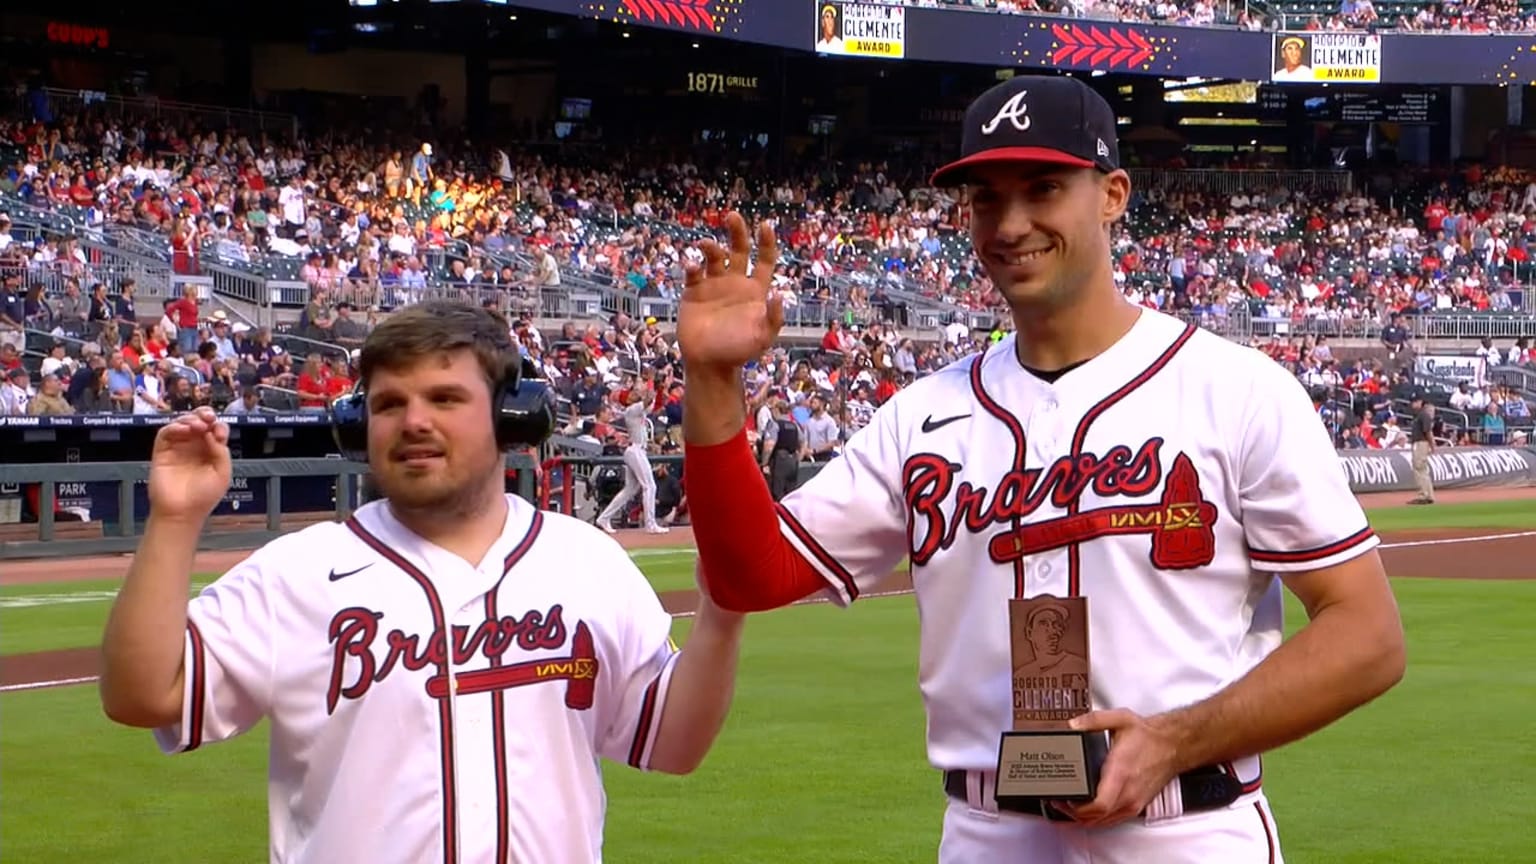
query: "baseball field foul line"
810, 601
39, 685
1447, 541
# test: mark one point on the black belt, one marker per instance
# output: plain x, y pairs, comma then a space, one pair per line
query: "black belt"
1208, 788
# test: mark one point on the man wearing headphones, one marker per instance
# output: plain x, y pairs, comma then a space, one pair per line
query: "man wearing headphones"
451, 660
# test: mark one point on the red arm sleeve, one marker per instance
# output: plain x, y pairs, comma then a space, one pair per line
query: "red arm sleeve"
748, 565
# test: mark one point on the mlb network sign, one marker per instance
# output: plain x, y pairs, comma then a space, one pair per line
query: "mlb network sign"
861, 30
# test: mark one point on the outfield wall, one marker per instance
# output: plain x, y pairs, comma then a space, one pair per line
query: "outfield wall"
1450, 467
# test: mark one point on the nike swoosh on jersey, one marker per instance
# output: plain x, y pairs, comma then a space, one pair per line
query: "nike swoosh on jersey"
932, 425
335, 576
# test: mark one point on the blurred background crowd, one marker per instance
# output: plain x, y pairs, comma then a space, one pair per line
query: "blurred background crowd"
362, 224
1473, 16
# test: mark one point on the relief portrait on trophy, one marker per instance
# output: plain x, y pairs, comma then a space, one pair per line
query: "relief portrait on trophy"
1050, 659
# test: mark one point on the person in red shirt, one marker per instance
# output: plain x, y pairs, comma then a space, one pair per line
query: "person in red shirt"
80, 193
337, 380
312, 384
832, 340
183, 248
184, 314
887, 386
1368, 434
602, 426
1434, 216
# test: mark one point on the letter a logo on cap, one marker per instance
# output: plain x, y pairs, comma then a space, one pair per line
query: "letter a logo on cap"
1014, 111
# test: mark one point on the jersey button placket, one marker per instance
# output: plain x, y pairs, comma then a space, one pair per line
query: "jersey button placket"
1042, 427
468, 725
1044, 434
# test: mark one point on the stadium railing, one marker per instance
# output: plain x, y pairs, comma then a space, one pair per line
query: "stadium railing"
1523, 380
126, 530
123, 534
106, 261
1440, 325
1228, 181
202, 115
113, 256
550, 483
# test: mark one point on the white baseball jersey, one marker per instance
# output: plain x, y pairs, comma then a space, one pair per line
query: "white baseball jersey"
560, 653
635, 423
1165, 480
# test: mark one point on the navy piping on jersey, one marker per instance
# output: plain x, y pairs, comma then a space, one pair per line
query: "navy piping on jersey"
498, 706
199, 687
444, 706
1081, 435
1016, 432
819, 552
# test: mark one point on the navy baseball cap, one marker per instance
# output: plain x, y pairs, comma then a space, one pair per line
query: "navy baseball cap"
1050, 119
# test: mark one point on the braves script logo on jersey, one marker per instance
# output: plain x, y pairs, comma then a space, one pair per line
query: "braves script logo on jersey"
354, 630
1180, 523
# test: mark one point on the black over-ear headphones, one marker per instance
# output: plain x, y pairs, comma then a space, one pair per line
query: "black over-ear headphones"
522, 409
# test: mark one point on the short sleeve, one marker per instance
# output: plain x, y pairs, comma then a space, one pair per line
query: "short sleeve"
641, 672
849, 520
1298, 511
229, 647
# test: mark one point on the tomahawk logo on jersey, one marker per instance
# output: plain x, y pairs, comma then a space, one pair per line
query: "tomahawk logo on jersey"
1153, 479
464, 712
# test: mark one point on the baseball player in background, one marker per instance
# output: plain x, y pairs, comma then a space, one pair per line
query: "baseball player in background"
1103, 451
443, 670
639, 477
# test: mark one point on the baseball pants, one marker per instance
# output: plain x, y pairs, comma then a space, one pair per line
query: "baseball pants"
1243, 833
1421, 475
638, 477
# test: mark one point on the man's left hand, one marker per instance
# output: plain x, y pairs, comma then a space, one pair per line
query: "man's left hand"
1140, 764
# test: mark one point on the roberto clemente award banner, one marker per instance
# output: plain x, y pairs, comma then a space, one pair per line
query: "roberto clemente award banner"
861, 29
1321, 56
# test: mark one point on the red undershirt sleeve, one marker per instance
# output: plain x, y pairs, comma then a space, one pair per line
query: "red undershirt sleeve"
747, 564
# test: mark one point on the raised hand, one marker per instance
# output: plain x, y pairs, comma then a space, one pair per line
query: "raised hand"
727, 317
189, 469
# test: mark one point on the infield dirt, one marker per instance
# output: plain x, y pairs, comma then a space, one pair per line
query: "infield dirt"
1469, 553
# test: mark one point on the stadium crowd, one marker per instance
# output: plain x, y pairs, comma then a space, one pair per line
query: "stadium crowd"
1470, 16
378, 227
369, 228
127, 362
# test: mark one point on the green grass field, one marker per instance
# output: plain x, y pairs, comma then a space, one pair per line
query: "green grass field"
823, 756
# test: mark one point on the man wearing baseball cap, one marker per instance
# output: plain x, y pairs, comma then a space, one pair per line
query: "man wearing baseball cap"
1099, 451
1044, 148
1291, 67
1038, 119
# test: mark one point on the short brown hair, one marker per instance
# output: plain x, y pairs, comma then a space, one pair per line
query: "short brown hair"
437, 327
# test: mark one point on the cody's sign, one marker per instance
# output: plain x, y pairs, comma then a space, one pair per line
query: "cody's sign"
79, 35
